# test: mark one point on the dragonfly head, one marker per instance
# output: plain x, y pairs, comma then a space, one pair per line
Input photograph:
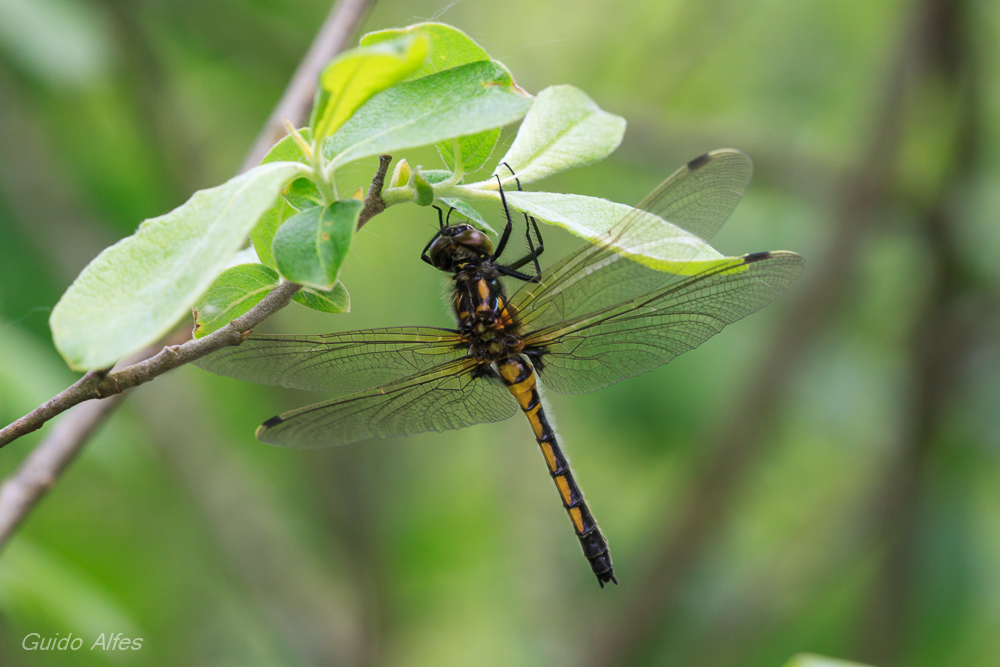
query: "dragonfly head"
459, 244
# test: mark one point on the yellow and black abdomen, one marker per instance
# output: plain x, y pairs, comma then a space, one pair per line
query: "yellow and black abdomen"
519, 376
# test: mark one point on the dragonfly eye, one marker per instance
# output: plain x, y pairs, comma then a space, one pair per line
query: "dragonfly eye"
457, 243
472, 238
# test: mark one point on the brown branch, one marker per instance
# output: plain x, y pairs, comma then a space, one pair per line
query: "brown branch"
22, 490
36, 475
373, 200
102, 384
628, 637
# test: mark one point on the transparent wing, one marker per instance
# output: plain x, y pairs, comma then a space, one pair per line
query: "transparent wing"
698, 198
339, 361
602, 347
453, 395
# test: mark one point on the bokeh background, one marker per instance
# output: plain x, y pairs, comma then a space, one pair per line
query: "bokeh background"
823, 476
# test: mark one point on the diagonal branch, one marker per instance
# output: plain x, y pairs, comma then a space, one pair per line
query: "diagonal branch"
102, 384
22, 490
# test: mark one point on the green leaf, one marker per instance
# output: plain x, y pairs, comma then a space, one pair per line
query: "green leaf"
661, 245
436, 175
471, 214
235, 291
475, 149
288, 150
262, 235
336, 300
311, 246
296, 196
423, 193
135, 291
564, 129
810, 660
454, 103
448, 47
354, 76
301, 194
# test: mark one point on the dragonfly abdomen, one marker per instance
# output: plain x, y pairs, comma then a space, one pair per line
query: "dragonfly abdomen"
519, 376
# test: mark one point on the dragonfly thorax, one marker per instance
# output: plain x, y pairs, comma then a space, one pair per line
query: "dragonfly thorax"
459, 245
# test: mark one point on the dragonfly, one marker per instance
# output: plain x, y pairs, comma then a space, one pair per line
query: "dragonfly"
597, 316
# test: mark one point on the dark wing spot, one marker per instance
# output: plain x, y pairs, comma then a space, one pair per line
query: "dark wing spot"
755, 257
273, 421
699, 162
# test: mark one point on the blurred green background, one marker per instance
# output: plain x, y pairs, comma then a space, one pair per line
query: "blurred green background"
824, 476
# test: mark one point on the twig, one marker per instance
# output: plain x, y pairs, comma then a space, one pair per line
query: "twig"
373, 200
22, 490
101, 384
625, 639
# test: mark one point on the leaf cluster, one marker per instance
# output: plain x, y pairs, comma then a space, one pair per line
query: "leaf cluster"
427, 84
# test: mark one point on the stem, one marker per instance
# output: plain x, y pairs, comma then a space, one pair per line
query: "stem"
25, 488
467, 192
101, 384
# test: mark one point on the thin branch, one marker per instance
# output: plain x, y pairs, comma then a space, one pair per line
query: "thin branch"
102, 384
22, 490
39, 472
373, 200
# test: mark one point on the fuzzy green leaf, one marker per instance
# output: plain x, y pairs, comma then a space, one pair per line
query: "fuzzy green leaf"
449, 47
135, 291
660, 245
336, 300
471, 214
475, 149
296, 196
311, 246
457, 102
423, 193
354, 76
564, 129
235, 291
288, 150
262, 235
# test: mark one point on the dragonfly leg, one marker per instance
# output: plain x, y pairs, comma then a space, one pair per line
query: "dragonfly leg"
513, 273
507, 228
529, 222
